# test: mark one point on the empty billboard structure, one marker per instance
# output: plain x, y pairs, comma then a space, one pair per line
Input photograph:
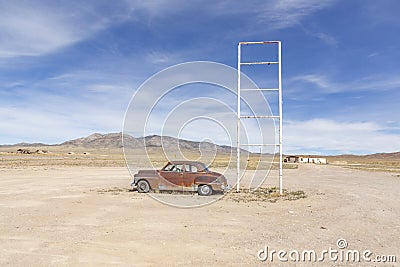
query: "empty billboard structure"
278, 116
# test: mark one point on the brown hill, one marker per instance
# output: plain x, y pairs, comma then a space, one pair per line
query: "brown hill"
23, 144
114, 140
393, 155
96, 140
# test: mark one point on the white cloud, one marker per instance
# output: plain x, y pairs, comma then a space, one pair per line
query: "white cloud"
319, 80
36, 28
162, 57
64, 107
328, 136
55, 119
373, 54
326, 38
323, 36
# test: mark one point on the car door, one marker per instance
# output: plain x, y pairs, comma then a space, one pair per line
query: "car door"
173, 176
189, 175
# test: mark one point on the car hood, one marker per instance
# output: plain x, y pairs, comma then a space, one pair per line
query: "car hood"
146, 172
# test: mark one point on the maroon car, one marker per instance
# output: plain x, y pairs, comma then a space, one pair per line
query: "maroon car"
181, 176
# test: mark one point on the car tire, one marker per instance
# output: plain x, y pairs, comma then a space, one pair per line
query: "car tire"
204, 190
143, 186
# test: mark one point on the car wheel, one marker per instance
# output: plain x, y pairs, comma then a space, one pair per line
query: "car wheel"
143, 186
204, 190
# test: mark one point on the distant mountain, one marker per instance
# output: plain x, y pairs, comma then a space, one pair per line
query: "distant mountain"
96, 140
23, 144
114, 140
393, 155
387, 156
171, 143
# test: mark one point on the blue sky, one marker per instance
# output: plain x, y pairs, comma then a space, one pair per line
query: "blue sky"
69, 68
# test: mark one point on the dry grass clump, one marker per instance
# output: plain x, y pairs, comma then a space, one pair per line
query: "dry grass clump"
265, 195
114, 190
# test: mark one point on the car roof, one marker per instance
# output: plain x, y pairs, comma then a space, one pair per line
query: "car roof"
186, 162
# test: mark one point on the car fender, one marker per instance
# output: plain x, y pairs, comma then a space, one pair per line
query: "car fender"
153, 181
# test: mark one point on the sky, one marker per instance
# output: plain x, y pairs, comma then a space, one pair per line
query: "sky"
69, 68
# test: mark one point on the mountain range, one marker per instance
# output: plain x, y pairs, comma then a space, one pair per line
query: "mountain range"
114, 140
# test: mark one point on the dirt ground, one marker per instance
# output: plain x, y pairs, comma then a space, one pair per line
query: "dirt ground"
86, 216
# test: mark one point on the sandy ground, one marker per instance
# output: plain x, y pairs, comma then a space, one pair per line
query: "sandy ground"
81, 216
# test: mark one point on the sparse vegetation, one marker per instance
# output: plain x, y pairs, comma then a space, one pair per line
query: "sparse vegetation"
265, 195
376, 162
59, 158
114, 190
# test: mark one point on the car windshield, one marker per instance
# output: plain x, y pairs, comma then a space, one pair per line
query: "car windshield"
203, 167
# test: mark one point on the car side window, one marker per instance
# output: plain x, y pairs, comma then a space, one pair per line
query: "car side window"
179, 168
194, 168
187, 168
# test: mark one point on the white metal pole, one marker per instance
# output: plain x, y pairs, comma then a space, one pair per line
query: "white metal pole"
280, 117
238, 127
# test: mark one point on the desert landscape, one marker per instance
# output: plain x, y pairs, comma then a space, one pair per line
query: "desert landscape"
296, 100
72, 205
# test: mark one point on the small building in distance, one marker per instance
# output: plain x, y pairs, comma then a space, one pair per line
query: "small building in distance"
313, 160
27, 151
291, 159
309, 159
24, 151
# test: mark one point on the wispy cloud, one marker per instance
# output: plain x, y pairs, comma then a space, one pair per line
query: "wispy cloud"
36, 28
286, 13
322, 36
163, 57
160, 8
277, 14
326, 38
320, 81
373, 54
329, 85
32, 28
377, 82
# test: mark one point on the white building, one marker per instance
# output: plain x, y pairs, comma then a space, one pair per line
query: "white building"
299, 159
313, 160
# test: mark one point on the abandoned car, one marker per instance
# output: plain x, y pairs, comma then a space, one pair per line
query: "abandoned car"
181, 176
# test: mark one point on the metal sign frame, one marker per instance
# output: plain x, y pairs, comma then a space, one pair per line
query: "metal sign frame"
278, 117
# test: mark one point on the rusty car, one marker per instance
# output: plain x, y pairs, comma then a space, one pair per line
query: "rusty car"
181, 176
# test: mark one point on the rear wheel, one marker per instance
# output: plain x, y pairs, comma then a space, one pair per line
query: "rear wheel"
204, 190
143, 186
